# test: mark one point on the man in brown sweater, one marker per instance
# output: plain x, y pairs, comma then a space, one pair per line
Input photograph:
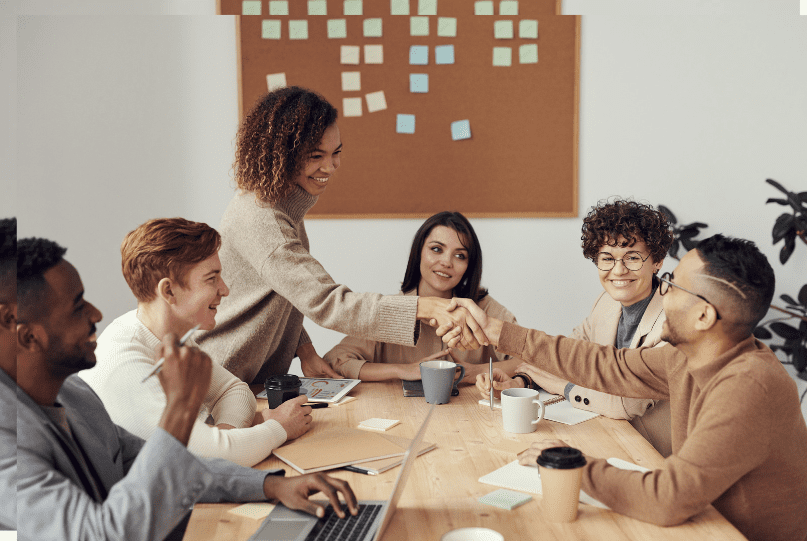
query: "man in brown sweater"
738, 434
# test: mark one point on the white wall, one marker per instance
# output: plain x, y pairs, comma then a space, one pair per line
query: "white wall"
687, 103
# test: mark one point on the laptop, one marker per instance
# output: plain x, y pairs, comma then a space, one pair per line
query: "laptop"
284, 524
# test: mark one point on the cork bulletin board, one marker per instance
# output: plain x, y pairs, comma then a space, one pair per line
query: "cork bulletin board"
443, 104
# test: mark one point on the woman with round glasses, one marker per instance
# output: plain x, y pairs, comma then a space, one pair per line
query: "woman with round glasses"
627, 241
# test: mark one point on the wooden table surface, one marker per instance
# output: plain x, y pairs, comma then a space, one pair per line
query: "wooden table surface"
442, 491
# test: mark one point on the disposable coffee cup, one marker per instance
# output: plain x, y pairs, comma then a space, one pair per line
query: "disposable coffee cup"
561, 470
281, 388
438, 380
472, 534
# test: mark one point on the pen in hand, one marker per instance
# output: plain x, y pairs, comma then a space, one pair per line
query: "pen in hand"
159, 364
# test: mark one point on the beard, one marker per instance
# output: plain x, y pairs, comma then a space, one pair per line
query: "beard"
670, 334
63, 363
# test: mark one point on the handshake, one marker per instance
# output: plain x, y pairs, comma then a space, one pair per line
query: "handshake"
460, 322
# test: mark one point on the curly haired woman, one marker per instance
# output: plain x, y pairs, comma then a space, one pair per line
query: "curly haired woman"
287, 151
627, 241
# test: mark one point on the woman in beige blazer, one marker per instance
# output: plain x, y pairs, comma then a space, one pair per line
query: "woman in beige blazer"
627, 241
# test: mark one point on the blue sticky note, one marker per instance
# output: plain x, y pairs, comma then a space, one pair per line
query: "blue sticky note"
419, 55
418, 83
444, 54
405, 124
461, 129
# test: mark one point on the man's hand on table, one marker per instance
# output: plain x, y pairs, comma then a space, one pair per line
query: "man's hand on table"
293, 416
435, 311
293, 492
313, 365
528, 457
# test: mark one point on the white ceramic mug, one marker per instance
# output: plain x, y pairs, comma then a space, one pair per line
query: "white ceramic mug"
522, 410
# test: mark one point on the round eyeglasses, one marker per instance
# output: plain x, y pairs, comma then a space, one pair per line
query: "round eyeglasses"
632, 261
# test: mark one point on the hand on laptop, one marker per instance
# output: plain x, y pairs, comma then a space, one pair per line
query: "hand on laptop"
293, 492
292, 416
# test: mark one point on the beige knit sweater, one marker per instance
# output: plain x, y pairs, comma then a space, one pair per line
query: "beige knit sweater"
274, 282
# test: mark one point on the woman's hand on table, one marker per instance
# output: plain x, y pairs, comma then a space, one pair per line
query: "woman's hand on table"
313, 365
501, 381
293, 492
528, 457
293, 416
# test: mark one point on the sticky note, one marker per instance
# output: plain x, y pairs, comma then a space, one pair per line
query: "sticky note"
381, 425
353, 7
503, 30
405, 124
419, 55
528, 29
418, 26
275, 80
351, 81
251, 7
447, 27
418, 83
376, 101
502, 56
298, 29
257, 511
508, 7
372, 28
349, 54
444, 54
427, 7
351, 107
270, 29
278, 7
399, 7
373, 54
317, 7
505, 499
484, 7
461, 129
528, 54
337, 28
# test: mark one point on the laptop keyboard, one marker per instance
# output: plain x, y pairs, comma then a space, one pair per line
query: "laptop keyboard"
350, 528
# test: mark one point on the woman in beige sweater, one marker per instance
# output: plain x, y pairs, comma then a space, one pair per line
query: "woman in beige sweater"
288, 149
445, 261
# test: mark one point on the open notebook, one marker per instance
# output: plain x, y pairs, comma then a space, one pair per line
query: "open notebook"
557, 409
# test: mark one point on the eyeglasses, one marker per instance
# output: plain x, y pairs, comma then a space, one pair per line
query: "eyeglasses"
666, 282
632, 261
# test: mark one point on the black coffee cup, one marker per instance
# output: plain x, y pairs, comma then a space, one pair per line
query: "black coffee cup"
281, 388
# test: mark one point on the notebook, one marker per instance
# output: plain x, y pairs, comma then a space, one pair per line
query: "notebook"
561, 410
384, 464
285, 524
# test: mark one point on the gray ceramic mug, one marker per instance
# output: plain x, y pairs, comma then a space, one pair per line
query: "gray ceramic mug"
438, 379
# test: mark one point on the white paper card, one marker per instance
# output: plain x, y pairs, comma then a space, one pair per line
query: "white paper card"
483, 7
337, 28
427, 7
508, 7
373, 54
528, 29
376, 101
275, 80
399, 7
353, 7
278, 7
502, 56
503, 30
349, 54
418, 26
447, 27
298, 29
351, 81
270, 29
317, 7
528, 54
351, 106
372, 28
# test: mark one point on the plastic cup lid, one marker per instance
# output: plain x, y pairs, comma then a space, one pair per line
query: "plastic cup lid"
286, 381
561, 458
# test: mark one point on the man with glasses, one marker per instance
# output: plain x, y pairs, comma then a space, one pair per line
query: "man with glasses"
738, 433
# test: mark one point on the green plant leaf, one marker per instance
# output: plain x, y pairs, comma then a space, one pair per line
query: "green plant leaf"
787, 249
788, 299
800, 358
688, 233
689, 244
673, 251
761, 333
668, 213
776, 185
785, 331
783, 225
803, 197
780, 201
803, 295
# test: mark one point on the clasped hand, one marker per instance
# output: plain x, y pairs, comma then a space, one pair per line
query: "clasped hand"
458, 324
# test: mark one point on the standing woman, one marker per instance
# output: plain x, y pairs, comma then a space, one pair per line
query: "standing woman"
287, 151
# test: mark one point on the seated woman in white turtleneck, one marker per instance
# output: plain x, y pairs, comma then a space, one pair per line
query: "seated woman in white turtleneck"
173, 268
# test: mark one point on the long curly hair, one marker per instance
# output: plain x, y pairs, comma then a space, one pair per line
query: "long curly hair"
633, 221
275, 138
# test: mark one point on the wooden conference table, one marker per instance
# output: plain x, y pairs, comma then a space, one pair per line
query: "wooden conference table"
442, 491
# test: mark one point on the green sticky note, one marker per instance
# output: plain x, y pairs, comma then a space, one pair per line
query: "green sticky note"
270, 29
502, 56
372, 28
505, 499
528, 54
353, 7
508, 7
447, 27
337, 28
298, 29
427, 7
317, 7
251, 7
418, 26
399, 7
484, 7
503, 30
528, 29
278, 7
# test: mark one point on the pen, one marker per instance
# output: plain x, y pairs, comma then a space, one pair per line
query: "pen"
159, 365
358, 470
490, 378
317, 405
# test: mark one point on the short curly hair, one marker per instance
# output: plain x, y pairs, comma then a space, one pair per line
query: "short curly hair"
35, 256
635, 222
274, 139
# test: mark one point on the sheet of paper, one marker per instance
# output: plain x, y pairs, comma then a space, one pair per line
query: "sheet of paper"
351, 106
298, 29
447, 27
273, 81
257, 511
461, 129
376, 101
317, 7
528, 54
508, 7
353, 7
373, 54
278, 7
372, 28
418, 83
528, 29
405, 124
444, 54
427, 7
270, 29
399, 7
483, 7
351, 81
419, 55
349, 54
564, 412
502, 56
337, 28
418, 26
251, 7
503, 30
